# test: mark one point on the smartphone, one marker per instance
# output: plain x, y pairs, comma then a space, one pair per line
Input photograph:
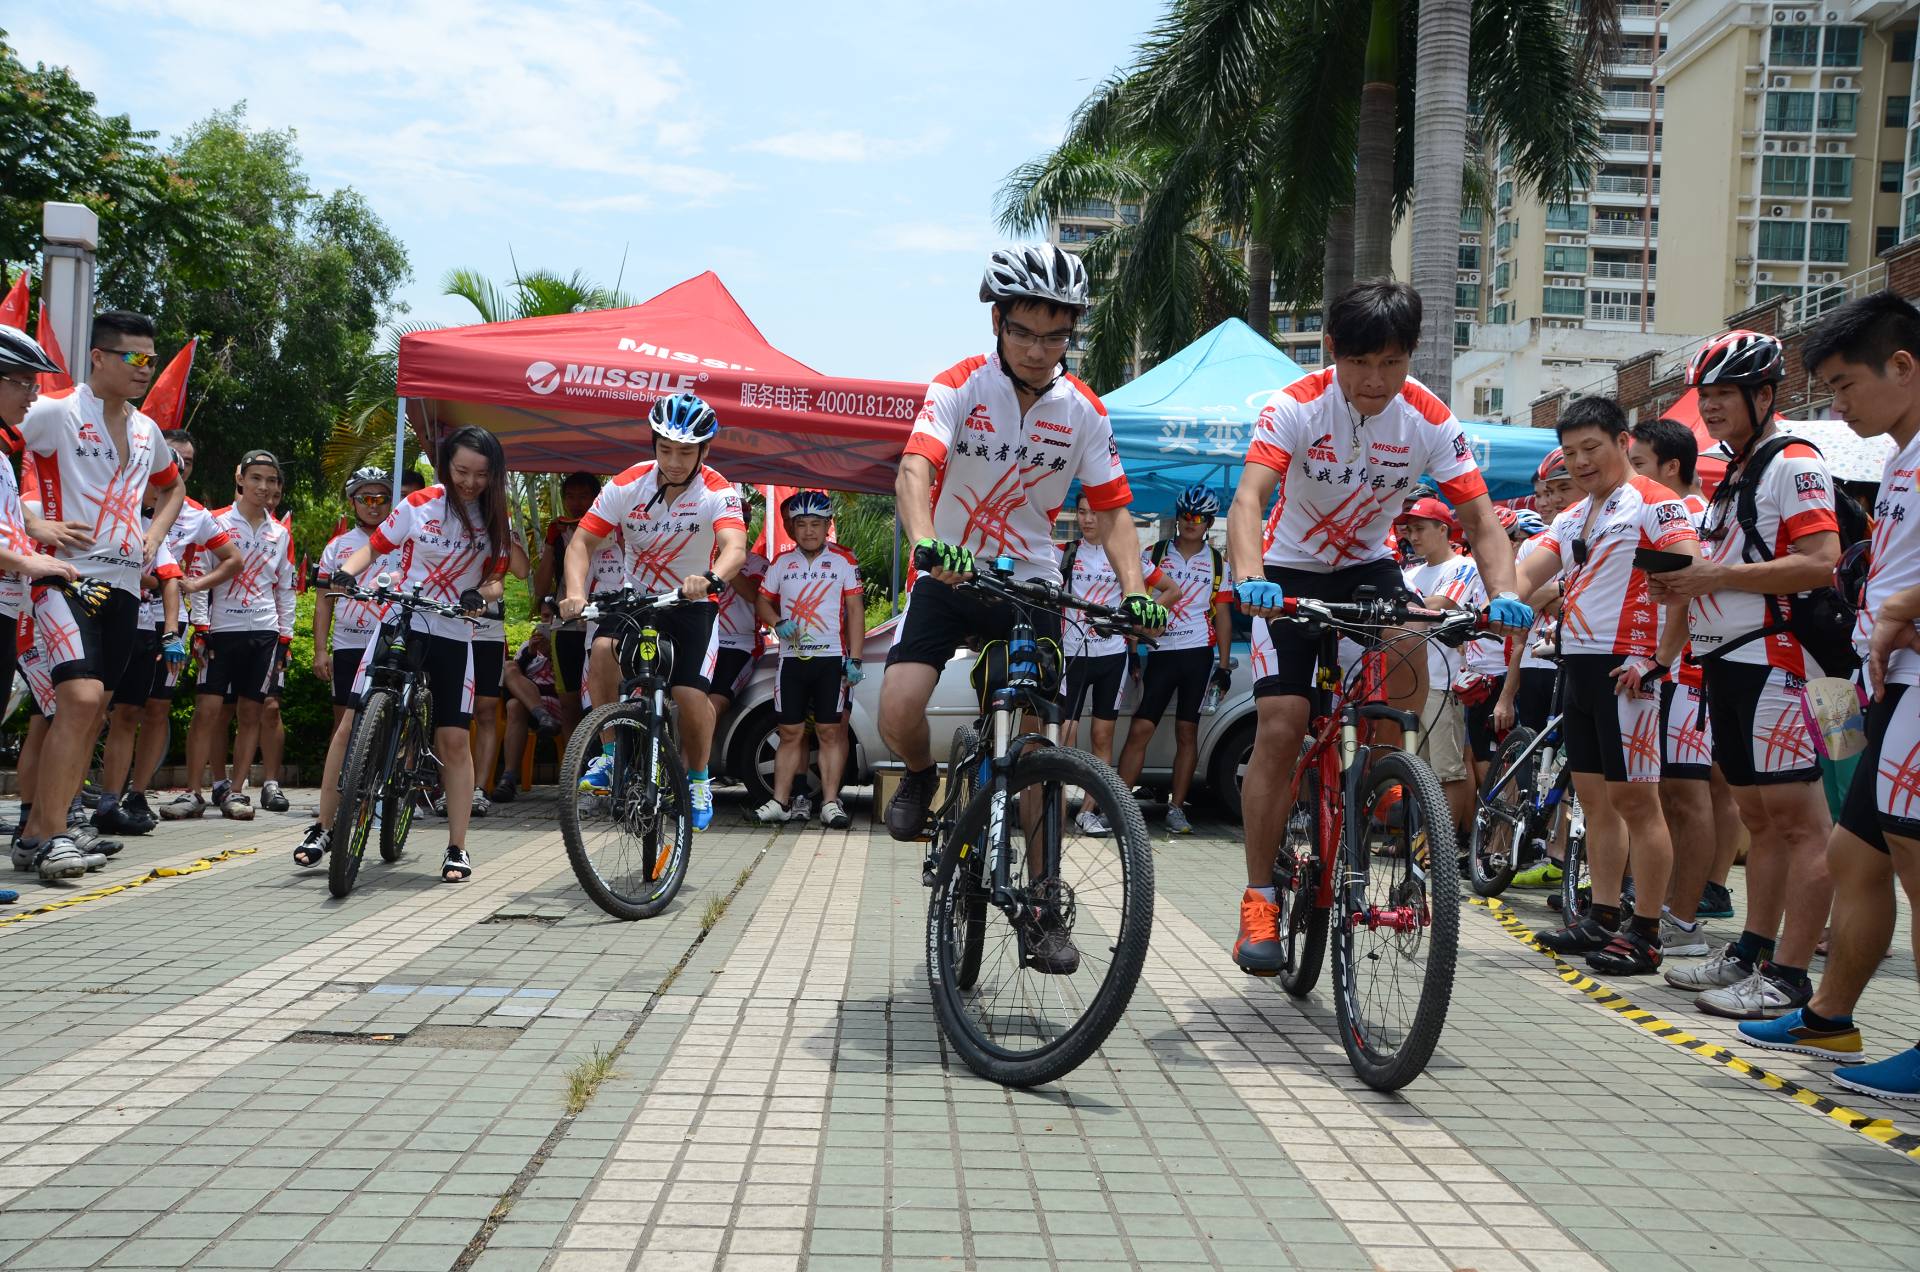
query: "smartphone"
1654, 561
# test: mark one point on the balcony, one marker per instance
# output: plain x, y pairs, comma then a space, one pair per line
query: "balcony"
1609, 231
1621, 269
1622, 190
1618, 313
1632, 62
1625, 147
1631, 104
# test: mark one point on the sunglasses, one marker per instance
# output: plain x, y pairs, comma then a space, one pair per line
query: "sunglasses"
132, 358
373, 501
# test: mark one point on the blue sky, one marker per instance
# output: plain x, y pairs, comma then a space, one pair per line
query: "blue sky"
835, 162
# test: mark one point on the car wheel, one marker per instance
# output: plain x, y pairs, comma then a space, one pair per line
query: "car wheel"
1229, 768
759, 742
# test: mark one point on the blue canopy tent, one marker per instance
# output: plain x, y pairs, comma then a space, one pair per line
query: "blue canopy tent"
1189, 420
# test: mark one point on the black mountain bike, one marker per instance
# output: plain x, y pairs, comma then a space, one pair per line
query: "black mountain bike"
390, 763
1525, 801
630, 845
1037, 927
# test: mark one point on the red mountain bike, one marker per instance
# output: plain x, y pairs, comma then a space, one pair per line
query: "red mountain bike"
1369, 848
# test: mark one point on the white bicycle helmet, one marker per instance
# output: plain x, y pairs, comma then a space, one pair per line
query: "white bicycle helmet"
1039, 271
806, 503
20, 350
684, 417
364, 477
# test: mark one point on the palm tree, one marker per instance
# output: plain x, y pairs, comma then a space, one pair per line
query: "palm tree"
1270, 115
1439, 152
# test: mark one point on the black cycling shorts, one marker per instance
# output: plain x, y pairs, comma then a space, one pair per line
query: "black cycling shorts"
1171, 673
1102, 677
239, 665
1761, 735
810, 687
730, 670
146, 673
569, 660
81, 646
1686, 751
692, 632
939, 619
1878, 802
1615, 735
1533, 700
1481, 739
1296, 651
346, 664
489, 662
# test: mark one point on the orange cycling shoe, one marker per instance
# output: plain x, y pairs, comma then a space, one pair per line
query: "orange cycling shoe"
1258, 951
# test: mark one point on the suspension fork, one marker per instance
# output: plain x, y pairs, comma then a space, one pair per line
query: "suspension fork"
999, 837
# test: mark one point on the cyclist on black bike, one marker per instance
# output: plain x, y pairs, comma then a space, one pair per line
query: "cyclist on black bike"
681, 526
453, 539
994, 449
1343, 447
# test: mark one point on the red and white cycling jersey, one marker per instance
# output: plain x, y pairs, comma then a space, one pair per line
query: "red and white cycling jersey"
1190, 618
1095, 580
1001, 478
1456, 579
665, 543
1794, 499
1343, 478
441, 552
260, 598
814, 593
1542, 629
13, 533
739, 627
354, 622
1896, 554
80, 476
495, 629
1605, 606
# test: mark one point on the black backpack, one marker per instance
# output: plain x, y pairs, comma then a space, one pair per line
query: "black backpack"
1822, 619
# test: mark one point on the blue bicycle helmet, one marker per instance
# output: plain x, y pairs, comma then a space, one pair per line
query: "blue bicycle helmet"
1526, 523
684, 417
1197, 501
806, 503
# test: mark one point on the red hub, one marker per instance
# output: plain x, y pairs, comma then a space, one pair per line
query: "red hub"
1396, 918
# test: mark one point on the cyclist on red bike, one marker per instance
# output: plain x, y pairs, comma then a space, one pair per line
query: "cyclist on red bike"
1342, 446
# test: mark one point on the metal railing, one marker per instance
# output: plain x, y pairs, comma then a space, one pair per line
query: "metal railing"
1632, 57
1635, 143
1623, 185
1641, 10
1622, 227
1816, 301
1623, 99
1617, 313
1620, 269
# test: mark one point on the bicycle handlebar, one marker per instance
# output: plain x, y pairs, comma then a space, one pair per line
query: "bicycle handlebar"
996, 579
385, 592
627, 601
1449, 626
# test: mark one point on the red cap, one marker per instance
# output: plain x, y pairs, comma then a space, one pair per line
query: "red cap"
1430, 510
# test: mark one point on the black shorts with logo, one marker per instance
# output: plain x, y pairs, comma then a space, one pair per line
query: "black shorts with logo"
730, 670
1171, 673
810, 687
100, 643
145, 676
940, 619
239, 665
1296, 651
1102, 677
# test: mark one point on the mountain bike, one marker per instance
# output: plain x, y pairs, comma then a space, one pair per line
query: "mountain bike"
1368, 855
390, 764
1037, 926
1524, 803
630, 846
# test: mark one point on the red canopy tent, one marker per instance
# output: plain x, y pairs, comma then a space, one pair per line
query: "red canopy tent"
572, 391
1686, 410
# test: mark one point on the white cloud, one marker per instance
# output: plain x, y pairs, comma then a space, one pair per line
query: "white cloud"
932, 236
844, 145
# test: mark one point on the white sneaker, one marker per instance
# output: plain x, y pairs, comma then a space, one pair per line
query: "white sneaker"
834, 815
1717, 972
1177, 823
1680, 942
771, 814
1758, 997
802, 807
1093, 823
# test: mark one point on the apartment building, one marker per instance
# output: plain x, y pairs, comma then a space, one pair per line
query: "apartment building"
1793, 139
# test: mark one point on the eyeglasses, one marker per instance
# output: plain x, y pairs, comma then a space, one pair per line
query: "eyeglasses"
1054, 341
373, 501
131, 357
29, 386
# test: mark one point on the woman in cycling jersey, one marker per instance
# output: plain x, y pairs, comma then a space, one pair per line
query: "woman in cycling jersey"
454, 543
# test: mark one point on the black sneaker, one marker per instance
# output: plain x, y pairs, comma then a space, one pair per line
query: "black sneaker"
1050, 947
135, 805
907, 811
1627, 954
1583, 937
1716, 902
507, 789
116, 820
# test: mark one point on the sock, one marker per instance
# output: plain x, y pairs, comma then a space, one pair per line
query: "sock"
1678, 922
1814, 1020
1266, 894
1607, 916
108, 801
606, 749
700, 776
1750, 948
1647, 928
1795, 977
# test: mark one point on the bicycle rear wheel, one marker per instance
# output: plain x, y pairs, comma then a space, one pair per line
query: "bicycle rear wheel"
361, 785
1500, 817
1305, 936
1035, 1007
629, 847
404, 783
1397, 923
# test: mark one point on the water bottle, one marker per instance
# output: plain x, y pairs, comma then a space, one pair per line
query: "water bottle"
1211, 702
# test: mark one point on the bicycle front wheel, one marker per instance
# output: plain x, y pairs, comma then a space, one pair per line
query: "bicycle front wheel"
1397, 922
361, 785
630, 843
1305, 935
404, 783
1027, 992
1500, 817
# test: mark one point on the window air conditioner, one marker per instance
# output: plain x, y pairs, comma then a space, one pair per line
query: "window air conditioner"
1795, 147
1836, 147
1781, 81
1823, 214
1842, 81
1777, 209
1765, 276
1771, 147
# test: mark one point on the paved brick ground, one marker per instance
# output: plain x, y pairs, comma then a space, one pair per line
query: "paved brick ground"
228, 1069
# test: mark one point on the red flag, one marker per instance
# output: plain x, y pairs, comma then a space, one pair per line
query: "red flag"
166, 401
50, 383
13, 309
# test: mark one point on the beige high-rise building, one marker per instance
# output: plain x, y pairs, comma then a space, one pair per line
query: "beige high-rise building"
1787, 126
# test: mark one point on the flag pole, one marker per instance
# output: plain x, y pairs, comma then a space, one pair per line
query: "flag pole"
399, 442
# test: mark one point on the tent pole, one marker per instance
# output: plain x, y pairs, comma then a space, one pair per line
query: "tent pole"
894, 596
399, 442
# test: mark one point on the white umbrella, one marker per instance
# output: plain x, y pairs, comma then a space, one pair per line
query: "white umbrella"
1849, 456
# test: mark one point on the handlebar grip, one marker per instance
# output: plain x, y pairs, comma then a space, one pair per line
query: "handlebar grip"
925, 558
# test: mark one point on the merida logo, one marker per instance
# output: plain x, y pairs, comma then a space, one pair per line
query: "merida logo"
543, 378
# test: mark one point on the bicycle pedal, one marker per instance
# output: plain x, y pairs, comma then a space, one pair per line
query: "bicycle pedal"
1262, 975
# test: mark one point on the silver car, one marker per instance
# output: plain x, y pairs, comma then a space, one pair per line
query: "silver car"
746, 739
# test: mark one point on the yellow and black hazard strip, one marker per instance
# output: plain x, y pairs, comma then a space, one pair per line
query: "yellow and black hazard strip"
114, 889
1877, 1129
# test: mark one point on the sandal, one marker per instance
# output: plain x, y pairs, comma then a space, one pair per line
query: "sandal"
455, 868
313, 848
